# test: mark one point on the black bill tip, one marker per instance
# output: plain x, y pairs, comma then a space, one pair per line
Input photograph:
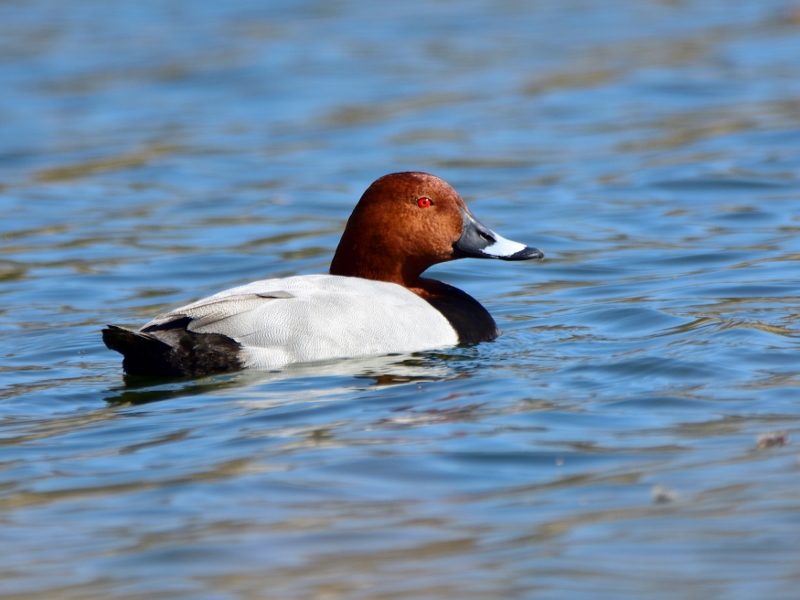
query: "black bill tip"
526, 253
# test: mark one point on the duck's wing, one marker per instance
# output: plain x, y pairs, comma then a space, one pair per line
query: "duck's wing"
193, 340
217, 314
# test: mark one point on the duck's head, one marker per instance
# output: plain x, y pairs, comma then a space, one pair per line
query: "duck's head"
407, 222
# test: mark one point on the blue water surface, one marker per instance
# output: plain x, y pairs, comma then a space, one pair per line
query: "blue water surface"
631, 434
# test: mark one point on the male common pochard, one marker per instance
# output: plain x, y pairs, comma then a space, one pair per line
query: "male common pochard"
373, 302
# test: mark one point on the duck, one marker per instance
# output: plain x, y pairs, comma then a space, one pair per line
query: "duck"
373, 301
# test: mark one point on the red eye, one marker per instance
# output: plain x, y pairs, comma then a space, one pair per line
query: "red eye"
424, 202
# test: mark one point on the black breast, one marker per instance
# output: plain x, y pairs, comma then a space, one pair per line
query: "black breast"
472, 322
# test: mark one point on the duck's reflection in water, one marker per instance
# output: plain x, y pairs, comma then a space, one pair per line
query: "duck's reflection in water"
294, 382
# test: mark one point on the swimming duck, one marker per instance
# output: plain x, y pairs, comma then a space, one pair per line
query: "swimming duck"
372, 302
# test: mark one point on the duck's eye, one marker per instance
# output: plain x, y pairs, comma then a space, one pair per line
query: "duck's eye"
424, 202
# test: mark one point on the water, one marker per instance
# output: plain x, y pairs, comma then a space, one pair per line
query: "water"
632, 434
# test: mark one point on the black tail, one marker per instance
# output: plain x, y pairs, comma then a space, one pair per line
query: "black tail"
143, 354
180, 353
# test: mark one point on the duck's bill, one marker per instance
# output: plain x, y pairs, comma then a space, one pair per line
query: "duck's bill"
478, 241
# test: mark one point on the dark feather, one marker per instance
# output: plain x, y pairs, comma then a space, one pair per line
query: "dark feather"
171, 351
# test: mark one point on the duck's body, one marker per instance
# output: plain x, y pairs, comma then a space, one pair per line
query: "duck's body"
373, 302
277, 322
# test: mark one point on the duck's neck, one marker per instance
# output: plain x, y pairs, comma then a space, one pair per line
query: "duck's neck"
406, 273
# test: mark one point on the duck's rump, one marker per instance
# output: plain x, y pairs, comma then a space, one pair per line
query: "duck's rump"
173, 352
